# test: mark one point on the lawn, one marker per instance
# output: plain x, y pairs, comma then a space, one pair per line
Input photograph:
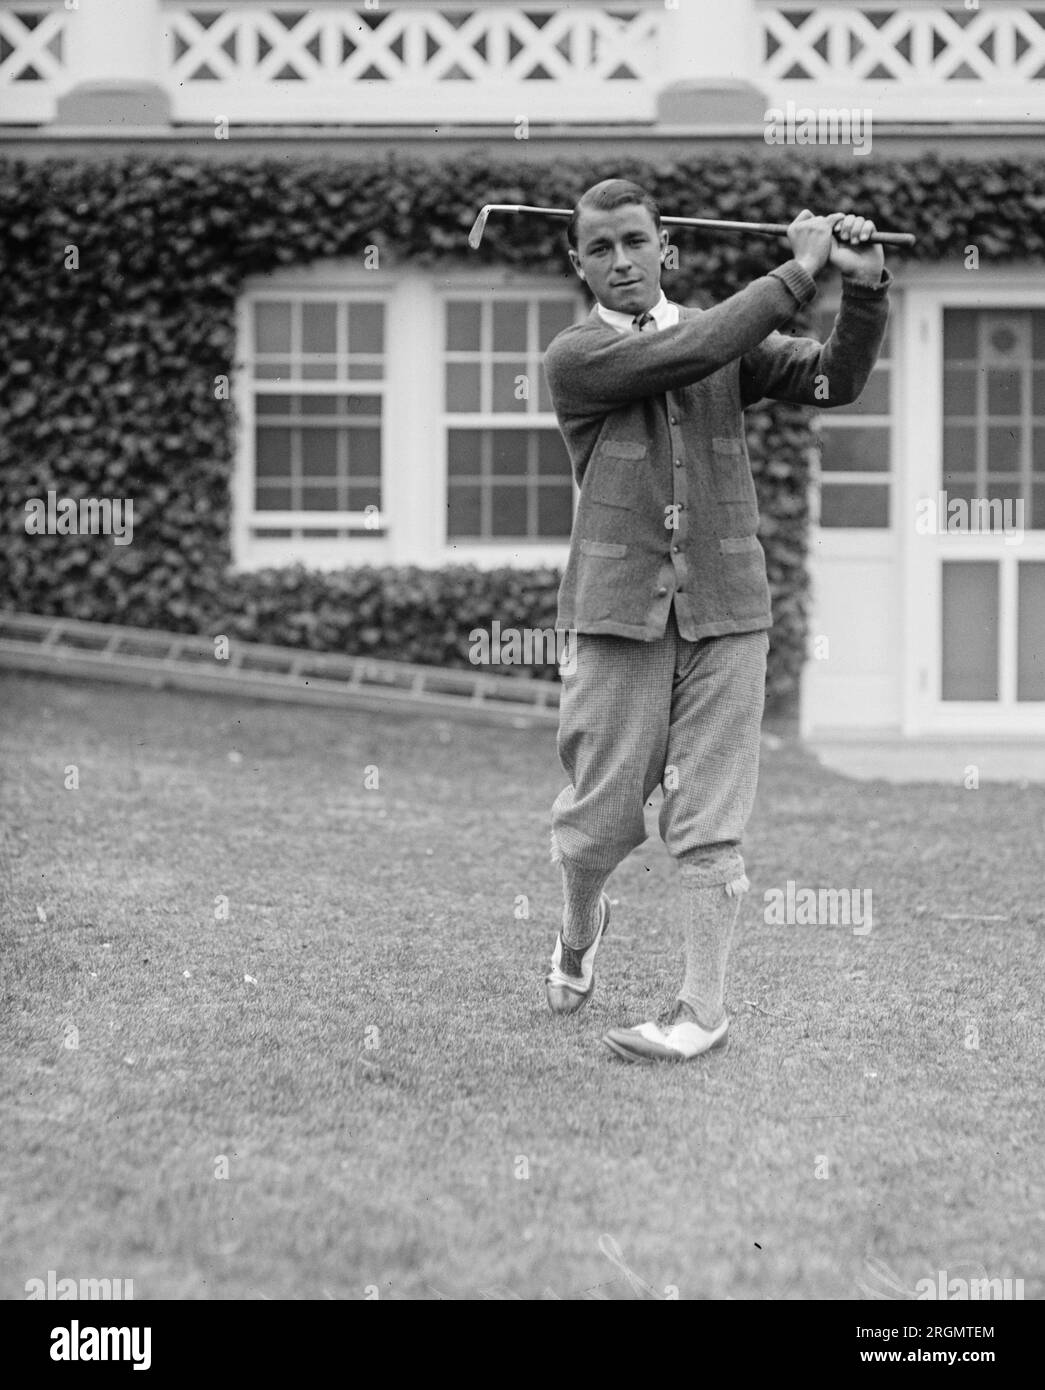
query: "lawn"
224, 953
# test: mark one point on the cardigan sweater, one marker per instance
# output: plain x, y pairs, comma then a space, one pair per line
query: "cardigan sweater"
653, 424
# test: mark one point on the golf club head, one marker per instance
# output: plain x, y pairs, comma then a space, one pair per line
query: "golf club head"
475, 236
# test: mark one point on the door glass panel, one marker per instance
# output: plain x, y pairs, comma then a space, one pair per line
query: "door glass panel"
992, 400
969, 630
1030, 627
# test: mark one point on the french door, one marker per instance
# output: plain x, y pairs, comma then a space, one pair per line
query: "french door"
972, 510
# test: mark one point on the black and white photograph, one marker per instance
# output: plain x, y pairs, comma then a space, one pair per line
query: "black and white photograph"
522, 667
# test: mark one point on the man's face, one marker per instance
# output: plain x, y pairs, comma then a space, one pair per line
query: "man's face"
619, 255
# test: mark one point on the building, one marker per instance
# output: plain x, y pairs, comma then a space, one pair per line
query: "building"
928, 563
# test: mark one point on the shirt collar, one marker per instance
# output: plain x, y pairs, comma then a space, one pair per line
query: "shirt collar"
665, 315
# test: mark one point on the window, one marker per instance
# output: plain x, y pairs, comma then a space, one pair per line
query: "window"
316, 376
994, 408
856, 439
508, 473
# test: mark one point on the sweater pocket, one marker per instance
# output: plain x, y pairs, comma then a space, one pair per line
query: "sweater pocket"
623, 448
606, 585
743, 569
736, 545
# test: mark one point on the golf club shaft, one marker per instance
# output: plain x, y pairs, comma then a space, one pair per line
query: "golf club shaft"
707, 223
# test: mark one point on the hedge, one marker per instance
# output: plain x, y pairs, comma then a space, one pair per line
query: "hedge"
107, 371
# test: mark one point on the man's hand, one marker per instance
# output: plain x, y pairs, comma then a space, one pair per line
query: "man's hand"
839, 239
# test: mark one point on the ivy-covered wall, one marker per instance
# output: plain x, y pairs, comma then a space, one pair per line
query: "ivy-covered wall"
107, 370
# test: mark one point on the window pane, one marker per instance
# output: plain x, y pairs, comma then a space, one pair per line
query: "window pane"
1038, 405
270, 405
854, 504
362, 407
272, 499
510, 380
554, 511
552, 457
465, 512
959, 449
366, 328
553, 315
364, 453
509, 510
1004, 396
272, 326
318, 369
1038, 334
959, 334
959, 391
319, 328
970, 630
462, 386
509, 325
861, 449
363, 495
319, 453
462, 326
509, 451
1003, 449
960, 487
319, 407
272, 452
273, 371
319, 499
1005, 490
1038, 451
463, 452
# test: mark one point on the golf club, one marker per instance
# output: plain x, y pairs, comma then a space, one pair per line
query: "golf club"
475, 236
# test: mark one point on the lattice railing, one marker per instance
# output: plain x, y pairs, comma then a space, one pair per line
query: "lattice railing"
436, 63
411, 63
907, 58
32, 60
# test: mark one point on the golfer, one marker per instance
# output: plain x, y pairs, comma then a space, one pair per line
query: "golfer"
665, 588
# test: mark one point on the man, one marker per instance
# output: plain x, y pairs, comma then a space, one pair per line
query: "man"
666, 587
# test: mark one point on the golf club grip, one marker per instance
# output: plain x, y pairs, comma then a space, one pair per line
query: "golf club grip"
777, 229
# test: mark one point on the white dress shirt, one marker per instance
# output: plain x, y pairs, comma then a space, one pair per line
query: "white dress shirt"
665, 315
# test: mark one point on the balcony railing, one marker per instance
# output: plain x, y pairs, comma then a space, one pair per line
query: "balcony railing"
478, 62
404, 62
907, 60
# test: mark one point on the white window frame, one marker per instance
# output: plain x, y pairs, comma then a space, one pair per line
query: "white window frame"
415, 433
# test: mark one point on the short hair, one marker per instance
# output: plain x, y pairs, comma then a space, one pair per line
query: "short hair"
607, 196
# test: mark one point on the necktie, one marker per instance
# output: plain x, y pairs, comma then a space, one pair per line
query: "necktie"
640, 321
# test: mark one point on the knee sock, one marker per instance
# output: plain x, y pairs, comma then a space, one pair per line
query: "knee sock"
711, 912
581, 891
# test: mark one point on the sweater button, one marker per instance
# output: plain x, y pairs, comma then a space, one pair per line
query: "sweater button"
676, 548
661, 591
678, 463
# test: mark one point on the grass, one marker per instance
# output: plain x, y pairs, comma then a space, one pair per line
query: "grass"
396, 1108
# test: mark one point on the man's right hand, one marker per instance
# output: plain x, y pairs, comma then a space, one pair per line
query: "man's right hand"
811, 239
